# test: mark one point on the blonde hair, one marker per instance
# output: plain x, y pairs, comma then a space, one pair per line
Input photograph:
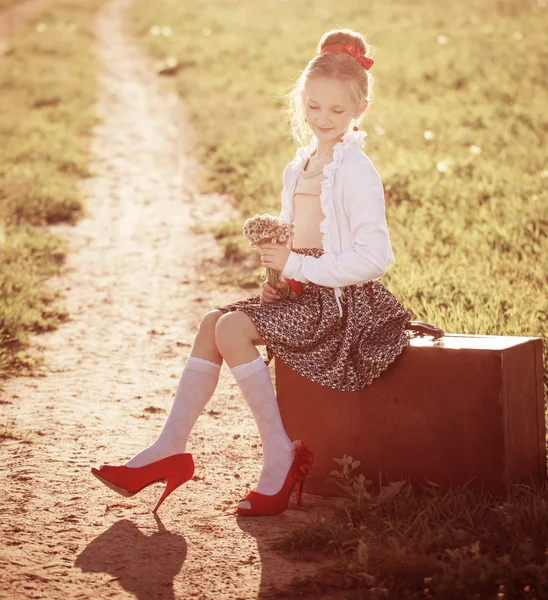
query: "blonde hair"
336, 66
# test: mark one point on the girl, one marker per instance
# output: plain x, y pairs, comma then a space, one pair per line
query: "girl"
343, 329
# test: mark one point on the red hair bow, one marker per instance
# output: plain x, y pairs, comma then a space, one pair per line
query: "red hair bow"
350, 49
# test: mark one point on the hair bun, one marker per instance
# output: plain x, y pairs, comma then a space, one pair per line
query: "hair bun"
342, 36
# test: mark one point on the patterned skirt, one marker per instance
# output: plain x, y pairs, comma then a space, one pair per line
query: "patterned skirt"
343, 353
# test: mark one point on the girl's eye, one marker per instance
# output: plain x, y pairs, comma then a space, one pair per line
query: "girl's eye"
337, 112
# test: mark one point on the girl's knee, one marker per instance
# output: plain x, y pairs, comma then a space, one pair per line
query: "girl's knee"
235, 326
209, 321
228, 325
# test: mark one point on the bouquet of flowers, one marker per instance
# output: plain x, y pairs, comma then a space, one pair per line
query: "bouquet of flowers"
261, 229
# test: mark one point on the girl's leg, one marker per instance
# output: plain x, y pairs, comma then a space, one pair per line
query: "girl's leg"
236, 338
196, 386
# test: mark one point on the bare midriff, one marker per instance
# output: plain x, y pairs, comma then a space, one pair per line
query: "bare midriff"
307, 211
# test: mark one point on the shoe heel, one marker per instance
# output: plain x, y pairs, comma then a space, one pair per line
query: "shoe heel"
172, 483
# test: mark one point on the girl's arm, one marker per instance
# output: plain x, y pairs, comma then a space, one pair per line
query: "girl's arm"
363, 200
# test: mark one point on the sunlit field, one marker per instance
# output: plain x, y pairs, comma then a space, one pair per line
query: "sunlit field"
458, 130
47, 86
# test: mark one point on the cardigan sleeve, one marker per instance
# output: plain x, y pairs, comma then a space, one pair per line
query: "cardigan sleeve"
363, 201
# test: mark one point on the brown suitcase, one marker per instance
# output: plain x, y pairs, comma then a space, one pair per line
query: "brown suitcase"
451, 408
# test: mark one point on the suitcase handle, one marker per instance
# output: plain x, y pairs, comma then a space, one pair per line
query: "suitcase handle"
421, 329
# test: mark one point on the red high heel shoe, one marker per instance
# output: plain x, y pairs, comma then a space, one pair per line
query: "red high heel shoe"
262, 504
128, 481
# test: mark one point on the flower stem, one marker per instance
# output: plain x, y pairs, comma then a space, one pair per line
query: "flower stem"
273, 277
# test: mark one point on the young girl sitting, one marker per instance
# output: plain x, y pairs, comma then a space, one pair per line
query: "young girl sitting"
342, 330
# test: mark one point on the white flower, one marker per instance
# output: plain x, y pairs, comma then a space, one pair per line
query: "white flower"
444, 165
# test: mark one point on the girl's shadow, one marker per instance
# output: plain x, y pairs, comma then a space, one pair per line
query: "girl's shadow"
143, 565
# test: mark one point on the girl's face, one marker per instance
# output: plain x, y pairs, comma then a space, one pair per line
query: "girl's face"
328, 107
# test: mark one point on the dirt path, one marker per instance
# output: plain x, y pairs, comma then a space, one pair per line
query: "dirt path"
135, 293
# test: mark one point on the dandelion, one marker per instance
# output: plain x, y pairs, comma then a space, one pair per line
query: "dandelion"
442, 39
378, 129
155, 30
475, 149
428, 135
41, 27
544, 173
517, 35
166, 31
444, 165
206, 31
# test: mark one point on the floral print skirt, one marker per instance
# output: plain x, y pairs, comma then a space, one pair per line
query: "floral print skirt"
343, 353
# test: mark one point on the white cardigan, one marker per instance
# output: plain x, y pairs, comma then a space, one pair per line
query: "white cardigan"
355, 235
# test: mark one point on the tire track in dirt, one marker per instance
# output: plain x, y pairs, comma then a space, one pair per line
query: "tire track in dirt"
136, 292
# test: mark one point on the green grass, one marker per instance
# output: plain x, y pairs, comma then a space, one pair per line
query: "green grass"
401, 543
470, 241
48, 86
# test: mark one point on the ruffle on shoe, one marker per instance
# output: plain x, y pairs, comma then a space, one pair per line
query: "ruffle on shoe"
302, 461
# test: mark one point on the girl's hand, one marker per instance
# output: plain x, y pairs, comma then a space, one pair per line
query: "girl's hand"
269, 294
274, 256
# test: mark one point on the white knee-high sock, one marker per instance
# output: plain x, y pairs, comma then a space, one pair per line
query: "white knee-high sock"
278, 451
196, 386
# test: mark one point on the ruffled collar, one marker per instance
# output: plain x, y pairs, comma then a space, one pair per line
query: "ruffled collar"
350, 138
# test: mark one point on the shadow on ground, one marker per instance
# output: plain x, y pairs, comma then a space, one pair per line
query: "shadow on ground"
144, 565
